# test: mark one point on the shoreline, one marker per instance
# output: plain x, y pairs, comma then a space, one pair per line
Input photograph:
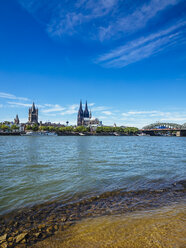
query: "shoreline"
88, 134
27, 226
162, 227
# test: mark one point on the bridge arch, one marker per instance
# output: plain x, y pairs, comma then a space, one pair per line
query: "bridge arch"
163, 125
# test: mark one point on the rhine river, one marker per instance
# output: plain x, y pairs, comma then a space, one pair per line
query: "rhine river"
95, 185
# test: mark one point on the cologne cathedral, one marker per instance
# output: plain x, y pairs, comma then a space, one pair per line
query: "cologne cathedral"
83, 116
33, 114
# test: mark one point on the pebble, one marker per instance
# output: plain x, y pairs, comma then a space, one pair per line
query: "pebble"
38, 235
4, 245
3, 238
21, 237
49, 229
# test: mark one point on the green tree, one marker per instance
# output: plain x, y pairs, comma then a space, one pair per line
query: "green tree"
43, 128
81, 129
35, 127
28, 127
14, 127
4, 127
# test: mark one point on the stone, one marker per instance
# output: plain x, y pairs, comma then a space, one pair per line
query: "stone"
49, 229
3, 238
10, 239
38, 235
63, 219
23, 241
20, 237
56, 227
4, 245
41, 226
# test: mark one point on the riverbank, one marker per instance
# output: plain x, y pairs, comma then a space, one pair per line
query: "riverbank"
72, 134
163, 227
25, 227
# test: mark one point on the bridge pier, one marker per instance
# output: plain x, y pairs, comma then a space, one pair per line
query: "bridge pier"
181, 133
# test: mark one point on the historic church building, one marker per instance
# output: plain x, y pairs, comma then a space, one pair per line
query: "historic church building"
83, 116
33, 114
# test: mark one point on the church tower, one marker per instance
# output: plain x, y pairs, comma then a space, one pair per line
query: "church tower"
16, 120
33, 114
86, 112
80, 115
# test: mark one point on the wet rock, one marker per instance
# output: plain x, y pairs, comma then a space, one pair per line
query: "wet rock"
21, 237
41, 226
49, 229
4, 245
10, 239
38, 235
56, 227
3, 238
23, 241
63, 219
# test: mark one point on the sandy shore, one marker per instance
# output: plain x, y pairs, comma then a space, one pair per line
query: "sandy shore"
164, 227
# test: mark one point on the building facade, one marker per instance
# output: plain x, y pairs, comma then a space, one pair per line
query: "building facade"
83, 115
84, 118
33, 115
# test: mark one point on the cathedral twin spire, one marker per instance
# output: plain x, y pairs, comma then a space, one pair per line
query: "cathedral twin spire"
83, 114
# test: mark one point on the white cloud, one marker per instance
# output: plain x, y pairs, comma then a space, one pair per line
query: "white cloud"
151, 113
107, 112
13, 97
143, 47
20, 104
67, 19
117, 16
142, 118
135, 20
53, 108
99, 108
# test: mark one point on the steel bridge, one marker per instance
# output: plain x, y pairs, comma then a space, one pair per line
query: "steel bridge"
157, 128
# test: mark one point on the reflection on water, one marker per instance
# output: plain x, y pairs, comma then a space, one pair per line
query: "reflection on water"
159, 228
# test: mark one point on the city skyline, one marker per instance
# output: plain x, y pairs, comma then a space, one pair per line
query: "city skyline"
127, 59
22, 104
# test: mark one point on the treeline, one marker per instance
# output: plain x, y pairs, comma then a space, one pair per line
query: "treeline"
82, 129
70, 129
122, 130
7, 128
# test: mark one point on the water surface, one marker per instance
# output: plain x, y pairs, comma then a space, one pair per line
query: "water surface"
34, 170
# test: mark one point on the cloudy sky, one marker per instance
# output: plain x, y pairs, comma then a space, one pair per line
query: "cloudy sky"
127, 58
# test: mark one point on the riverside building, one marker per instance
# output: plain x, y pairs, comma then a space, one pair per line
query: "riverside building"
84, 118
33, 115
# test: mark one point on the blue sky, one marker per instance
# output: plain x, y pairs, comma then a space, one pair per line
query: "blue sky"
126, 58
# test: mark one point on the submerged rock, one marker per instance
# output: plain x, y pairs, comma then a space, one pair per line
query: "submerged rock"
4, 245
3, 238
21, 237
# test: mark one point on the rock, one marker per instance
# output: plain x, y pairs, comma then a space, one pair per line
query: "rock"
41, 226
63, 219
38, 235
23, 241
3, 238
49, 229
20, 237
56, 227
4, 245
